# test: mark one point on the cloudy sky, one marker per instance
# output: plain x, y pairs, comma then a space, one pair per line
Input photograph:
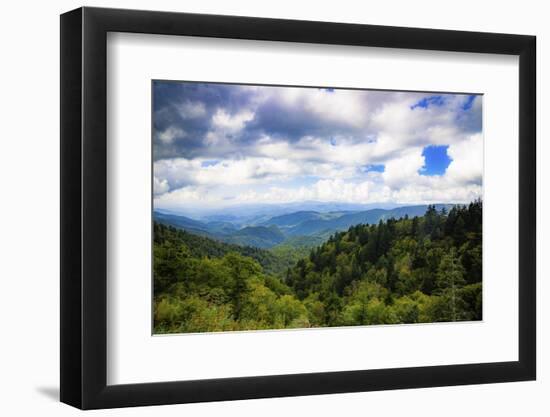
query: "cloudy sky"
218, 145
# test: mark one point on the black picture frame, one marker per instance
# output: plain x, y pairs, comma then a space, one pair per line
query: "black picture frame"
84, 207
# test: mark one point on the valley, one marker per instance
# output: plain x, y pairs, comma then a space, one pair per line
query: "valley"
302, 228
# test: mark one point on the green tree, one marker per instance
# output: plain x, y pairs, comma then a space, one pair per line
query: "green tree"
242, 269
450, 279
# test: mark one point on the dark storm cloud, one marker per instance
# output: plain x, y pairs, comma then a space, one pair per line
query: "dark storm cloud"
185, 133
173, 104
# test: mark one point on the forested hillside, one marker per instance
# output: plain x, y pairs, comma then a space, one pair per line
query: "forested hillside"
167, 238
420, 269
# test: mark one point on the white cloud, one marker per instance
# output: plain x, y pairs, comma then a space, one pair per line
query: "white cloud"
400, 182
190, 196
180, 172
422, 190
168, 135
404, 169
232, 123
160, 186
436, 191
346, 153
176, 172
467, 160
247, 171
344, 106
323, 190
191, 110
224, 128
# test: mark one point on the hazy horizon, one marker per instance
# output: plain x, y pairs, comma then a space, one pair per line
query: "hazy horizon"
246, 215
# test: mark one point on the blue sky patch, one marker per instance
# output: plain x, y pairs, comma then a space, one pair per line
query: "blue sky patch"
429, 101
436, 160
374, 168
209, 163
469, 102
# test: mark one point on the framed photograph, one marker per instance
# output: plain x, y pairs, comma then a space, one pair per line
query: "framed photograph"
258, 208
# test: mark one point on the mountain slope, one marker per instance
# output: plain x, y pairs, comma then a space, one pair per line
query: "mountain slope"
181, 222
293, 219
200, 247
258, 236
345, 221
424, 269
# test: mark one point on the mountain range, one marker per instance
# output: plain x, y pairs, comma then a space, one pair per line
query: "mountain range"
299, 226
255, 214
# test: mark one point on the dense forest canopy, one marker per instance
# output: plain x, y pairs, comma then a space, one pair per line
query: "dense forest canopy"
412, 270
